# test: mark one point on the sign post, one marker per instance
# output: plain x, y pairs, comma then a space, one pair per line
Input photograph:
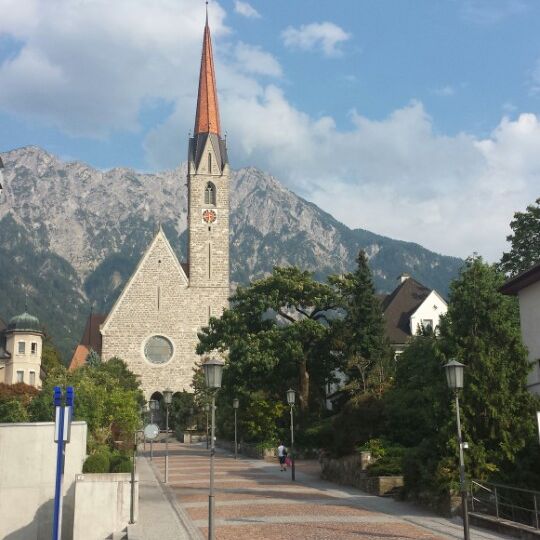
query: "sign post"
62, 433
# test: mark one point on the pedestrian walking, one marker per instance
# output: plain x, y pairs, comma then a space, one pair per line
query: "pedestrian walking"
282, 456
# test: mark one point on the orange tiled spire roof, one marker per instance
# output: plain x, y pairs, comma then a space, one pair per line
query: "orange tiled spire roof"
207, 117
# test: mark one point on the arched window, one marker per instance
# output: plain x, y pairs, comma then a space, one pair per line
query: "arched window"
209, 163
210, 194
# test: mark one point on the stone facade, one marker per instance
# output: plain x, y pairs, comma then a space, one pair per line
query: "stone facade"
154, 323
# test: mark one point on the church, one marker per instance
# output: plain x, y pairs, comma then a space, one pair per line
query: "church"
154, 322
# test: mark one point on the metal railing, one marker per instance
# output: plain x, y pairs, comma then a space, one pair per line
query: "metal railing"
506, 502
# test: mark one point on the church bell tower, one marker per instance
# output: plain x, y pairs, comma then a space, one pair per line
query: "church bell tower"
208, 190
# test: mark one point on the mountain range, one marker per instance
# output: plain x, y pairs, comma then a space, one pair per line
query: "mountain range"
70, 236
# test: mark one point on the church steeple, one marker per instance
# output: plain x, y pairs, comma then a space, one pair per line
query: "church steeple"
207, 116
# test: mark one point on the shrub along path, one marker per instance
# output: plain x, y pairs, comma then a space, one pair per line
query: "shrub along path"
255, 500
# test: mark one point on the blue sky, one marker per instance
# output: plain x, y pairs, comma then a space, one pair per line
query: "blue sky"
415, 119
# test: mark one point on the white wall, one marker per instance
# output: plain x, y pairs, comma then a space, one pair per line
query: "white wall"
431, 309
102, 505
27, 476
529, 310
23, 362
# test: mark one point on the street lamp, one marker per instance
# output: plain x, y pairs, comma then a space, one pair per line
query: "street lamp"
291, 398
235, 404
154, 406
454, 378
167, 398
213, 370
207, 410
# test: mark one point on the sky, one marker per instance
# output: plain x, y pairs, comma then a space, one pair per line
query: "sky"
415, 119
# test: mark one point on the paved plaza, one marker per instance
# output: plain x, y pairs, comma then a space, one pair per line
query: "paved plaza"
255, 500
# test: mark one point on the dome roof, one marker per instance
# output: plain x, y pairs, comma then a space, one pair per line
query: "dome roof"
24, 322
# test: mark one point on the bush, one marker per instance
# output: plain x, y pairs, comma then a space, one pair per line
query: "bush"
388, 456
317, 435
120, 464
97, 463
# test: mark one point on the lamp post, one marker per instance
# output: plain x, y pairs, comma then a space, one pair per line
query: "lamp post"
454, 378
291, 398
213, 369
207, 410
154, 406
167, 398
235, 405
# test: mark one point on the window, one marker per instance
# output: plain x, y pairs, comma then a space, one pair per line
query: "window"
210, 163
22, 347
427, 324
33, 378
33, 348
210, 194
20, 376
158, 350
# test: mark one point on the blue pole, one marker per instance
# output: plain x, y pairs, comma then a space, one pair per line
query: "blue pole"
59, 430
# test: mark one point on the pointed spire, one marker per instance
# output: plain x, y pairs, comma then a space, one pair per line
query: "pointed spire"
207, 117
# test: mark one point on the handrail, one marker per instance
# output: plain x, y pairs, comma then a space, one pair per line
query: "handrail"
489, 500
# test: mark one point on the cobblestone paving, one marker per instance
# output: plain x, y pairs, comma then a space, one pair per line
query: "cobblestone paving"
255, 501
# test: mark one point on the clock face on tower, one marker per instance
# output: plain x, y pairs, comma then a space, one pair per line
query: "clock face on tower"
209, 216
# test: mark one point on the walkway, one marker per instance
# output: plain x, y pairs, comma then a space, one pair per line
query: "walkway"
255, 501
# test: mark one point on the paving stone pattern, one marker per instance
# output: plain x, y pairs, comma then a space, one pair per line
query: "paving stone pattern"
256, 501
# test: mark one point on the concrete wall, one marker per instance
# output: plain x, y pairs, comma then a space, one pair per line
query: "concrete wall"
102, 504
529, 309
27, 476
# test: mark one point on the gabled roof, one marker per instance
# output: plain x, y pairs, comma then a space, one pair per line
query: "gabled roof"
91, 339
522, 280
160, 236
399, 306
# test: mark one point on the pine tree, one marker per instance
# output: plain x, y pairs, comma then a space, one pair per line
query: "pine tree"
362, 330
525, 241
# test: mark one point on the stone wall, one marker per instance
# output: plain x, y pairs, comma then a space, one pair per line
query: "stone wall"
351, 471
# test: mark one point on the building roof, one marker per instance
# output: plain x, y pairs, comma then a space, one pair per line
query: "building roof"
91, 339
24, 323
207, 116
522, 280
399, 306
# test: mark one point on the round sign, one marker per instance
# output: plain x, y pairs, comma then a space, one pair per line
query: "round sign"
151, 431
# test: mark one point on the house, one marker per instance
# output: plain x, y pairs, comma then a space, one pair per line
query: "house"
408, 308
21, 343
526, 286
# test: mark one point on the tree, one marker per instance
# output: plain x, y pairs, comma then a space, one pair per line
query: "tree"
50, 357
274, 333
481, 330
361, 332
525, 241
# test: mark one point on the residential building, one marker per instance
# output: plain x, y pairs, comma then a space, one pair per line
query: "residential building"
21, 342
408, 308
526, 286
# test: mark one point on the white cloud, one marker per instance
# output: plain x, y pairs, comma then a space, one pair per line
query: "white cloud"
87, 67
247, 10
491, 12
445, 91
253, 59
326, 36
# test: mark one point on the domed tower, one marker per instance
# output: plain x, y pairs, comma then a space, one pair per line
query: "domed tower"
24, 341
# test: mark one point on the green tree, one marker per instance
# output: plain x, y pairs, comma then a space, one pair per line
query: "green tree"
481, 329
50, 357
361, 334
274, 334
525, 241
